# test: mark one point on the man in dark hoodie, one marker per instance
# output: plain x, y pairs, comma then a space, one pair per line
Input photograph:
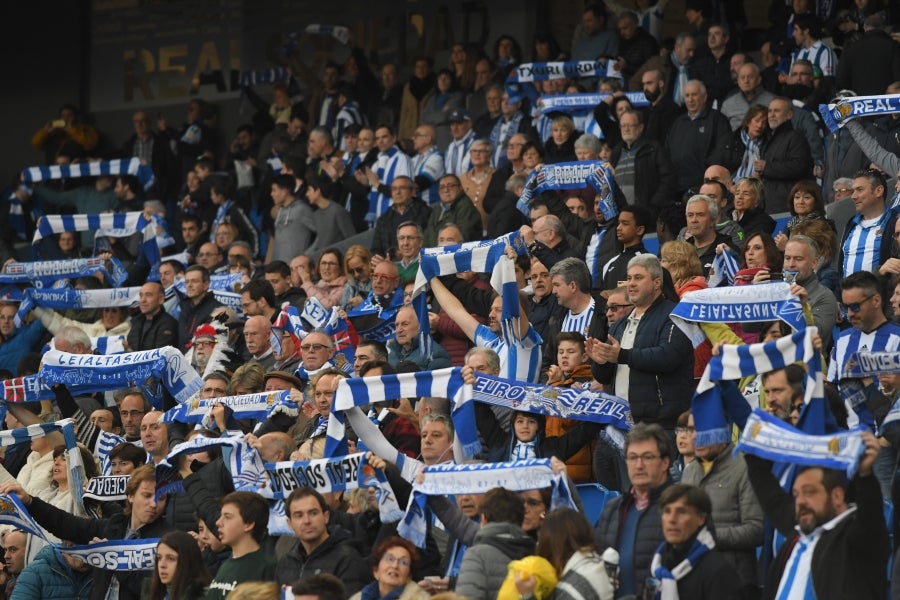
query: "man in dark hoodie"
319, 549
500, 540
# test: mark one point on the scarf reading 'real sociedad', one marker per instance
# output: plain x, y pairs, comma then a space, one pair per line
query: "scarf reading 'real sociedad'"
106, 224
150, 370
110, 555
837, 115
445, 479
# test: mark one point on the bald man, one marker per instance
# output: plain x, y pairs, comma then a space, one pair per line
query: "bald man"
258, 339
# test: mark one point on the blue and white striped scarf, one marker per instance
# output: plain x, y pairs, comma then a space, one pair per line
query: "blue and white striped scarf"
737, 304
246, 406
500, 134
108, 344
477, 258
736, 361
339, 473
223, 282
221, 216
329, 322
583, 103
123, 166
446, 479
25, 389
837, 115
111, 225
724, 267
77, 476
150, 370
603, 182
112, 555
44, 273
243, 462
751, 154
668, 580
442, 383
68, 297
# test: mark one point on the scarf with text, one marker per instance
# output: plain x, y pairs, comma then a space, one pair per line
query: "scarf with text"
151, 370
110, 555
837, 115
559, 176
737, 304
446, 479
44, 273
62, 298
107, 488
123, 166
583, 103
243, 462
258, 406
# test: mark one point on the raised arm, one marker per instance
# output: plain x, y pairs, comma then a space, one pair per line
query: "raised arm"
454, 308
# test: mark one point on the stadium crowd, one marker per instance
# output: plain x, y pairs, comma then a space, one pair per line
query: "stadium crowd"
310, 250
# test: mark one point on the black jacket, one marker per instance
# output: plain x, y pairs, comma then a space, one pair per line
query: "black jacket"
850, 560
82, 530
648, 536
712, 578
754, 220
694, 144
654, 179
194, 315
338, 555
788, 159
384, 238
659, 118
662, 359
155, 332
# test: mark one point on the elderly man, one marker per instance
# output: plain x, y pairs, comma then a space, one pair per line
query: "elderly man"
457, 159
257, 337
210, 257
405, 207
646, 359
154, 436
454, 207
643, 170
405, 345
547, 240
697, 138
785, 157
409, 243
749, 92
427, 164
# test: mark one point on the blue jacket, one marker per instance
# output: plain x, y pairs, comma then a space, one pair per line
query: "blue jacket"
21, 342
49, 576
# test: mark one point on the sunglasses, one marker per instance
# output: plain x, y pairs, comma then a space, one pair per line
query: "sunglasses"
855, 306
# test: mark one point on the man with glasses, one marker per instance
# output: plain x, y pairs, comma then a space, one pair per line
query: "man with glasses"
258, 299
631, 523
210, 257
617, 304
862, 307
198, 304
866, 243
405, 207
454, 207
391, 164
132, 410
547, 240
409, 243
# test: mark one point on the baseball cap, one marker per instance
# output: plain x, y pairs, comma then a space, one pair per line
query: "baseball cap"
459, 115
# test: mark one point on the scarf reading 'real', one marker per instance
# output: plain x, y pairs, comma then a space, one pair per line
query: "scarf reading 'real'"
445, 479
837, 115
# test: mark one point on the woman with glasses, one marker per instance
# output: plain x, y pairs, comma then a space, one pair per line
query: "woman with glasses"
358, 267
394, 561
330, 287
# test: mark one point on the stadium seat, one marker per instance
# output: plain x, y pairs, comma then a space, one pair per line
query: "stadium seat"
594, 497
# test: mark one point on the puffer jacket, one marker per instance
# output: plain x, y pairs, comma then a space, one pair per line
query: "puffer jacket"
49, 576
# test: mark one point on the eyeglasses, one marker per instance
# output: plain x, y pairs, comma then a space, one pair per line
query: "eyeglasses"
684, 430
395, 560
448, 186
131, 413
615, 307
644, 458
379, 277
855, 306
204, 344
313, 347
843, 191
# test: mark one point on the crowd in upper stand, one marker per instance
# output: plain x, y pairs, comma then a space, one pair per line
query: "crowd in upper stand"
329, 192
